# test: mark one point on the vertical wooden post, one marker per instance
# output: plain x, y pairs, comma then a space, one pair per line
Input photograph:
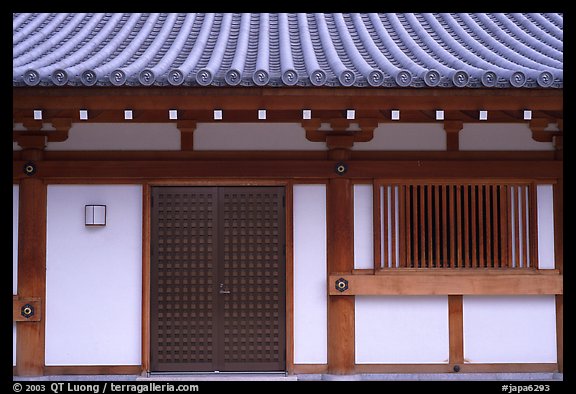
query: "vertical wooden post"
31, 274
340, 254
30, 336
452, 128
456, 330
187, 128
559, 256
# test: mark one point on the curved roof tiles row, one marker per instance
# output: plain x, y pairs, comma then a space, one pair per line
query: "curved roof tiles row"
297, 49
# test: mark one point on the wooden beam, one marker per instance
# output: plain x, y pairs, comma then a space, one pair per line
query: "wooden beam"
340, 256
401, 169
238, 98
447, 284
30, 337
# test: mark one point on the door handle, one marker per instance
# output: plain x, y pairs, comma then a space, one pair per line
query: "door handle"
223, 290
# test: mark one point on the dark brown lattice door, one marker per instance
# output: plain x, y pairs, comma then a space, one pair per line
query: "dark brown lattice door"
218, 279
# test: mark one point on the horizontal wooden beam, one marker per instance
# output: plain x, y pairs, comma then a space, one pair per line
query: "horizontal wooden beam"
401, 170
438, 284
191, 98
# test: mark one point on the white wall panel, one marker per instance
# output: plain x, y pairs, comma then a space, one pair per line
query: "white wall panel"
310, 299
363, 227
120, 136
253, 136
401, 329
509, 329
500, 136
545, 198
94, 277
406, 136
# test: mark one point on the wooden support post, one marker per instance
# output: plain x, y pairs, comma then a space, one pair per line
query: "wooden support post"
340, 253
559, 265
456, 332
31, 274
187, 128
452, 128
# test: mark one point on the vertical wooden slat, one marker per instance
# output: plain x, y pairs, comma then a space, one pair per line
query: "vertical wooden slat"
495, 227
429, 215
474, 209
516, 229
533, 208
422, 228
481, 245
414, 225
385, 228
437, 222
466, 262
392, 231
379, 226
488, 224
403, 232
504, 223
525, 229
444, 227
452, 214
458, 227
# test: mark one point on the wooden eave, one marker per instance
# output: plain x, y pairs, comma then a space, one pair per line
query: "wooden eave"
240, 104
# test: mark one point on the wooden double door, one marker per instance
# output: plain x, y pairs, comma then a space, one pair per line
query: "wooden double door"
218, 279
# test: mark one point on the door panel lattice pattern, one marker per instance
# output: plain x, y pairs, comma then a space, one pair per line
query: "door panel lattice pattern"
218, 279
252, 242
185, 278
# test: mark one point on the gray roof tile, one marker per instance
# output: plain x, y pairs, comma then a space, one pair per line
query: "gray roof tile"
260, 49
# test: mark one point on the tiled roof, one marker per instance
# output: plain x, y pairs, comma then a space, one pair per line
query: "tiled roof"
297, 49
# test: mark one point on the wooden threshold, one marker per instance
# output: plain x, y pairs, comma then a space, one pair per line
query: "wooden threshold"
93, 370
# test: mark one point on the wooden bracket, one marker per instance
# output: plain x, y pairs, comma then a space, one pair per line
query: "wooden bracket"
26, 309
340, 135
35, 138
62, 126
538, 134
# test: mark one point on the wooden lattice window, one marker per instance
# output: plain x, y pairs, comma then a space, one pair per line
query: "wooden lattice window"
455, 225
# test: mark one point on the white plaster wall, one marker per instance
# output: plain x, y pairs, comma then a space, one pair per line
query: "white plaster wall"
509, 329
120, 136
363, 227
253, 136
401, 329
545, 198
15, 204
94, 276
310, 299
406, 136
500, 136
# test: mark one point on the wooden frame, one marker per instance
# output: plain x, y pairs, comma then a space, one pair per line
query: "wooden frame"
146, 234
